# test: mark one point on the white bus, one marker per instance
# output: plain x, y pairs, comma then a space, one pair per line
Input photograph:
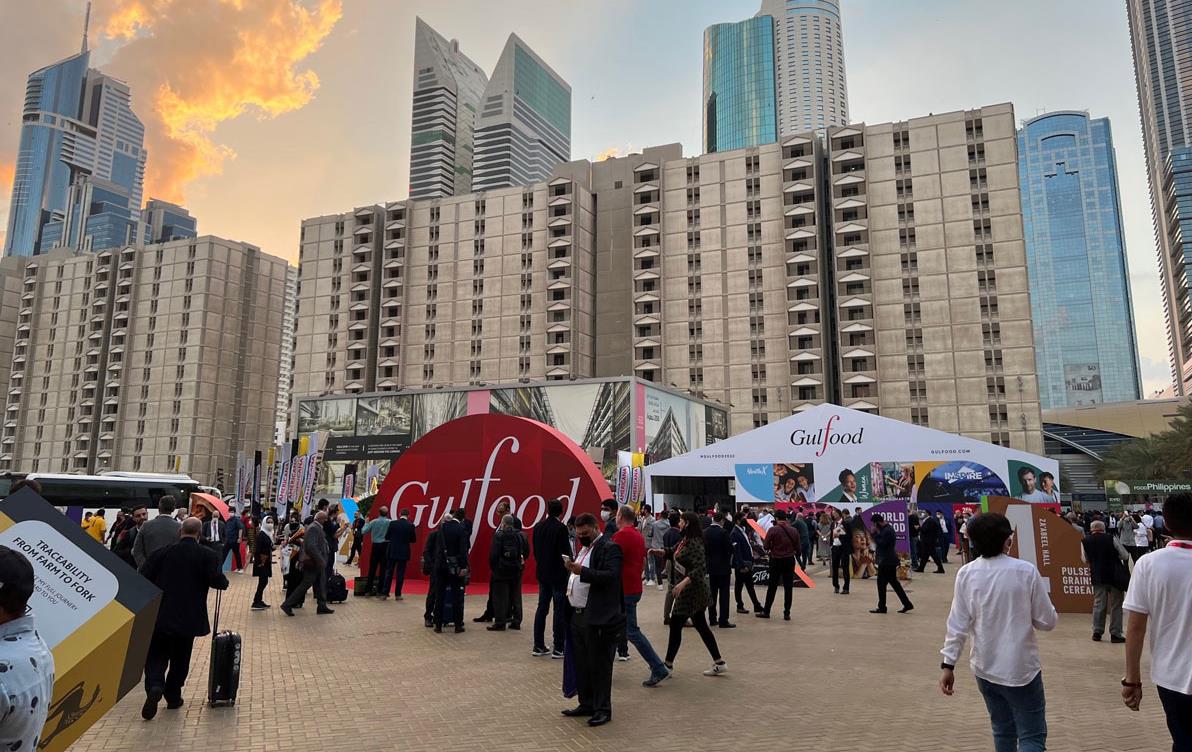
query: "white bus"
109, 491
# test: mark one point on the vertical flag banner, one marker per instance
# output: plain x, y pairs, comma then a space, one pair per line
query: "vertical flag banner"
349, 487
238, 494
255, 491
270, 475
283, 482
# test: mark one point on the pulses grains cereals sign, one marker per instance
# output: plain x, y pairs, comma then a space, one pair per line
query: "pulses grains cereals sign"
477, 462
93, 610
1046, 540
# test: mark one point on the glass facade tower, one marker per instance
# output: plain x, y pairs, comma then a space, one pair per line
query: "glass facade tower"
80, 164
1161, 38
1085, 346
523, 130
740, 103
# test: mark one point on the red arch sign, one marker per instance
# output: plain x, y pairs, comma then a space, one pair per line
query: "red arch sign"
476, 462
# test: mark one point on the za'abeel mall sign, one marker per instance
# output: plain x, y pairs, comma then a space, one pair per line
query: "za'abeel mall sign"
1049, 542
94, 611
477, 462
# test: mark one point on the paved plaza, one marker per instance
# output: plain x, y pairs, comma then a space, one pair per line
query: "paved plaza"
371, 677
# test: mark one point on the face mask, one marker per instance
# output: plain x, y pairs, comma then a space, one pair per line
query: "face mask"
605, 514
585, 540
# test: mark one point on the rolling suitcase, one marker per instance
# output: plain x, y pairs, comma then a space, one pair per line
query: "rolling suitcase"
224, 678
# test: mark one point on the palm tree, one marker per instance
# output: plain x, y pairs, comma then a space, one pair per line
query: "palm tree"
1163, 456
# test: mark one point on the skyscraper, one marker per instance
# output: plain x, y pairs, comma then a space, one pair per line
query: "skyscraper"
81, 162
1085, 347
739, 104
809, 64
1161, 38
448, 87
523, 130
164, 222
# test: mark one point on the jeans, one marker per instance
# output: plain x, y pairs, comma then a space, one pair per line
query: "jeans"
452, 585
1178, 708
237, 558
1107, 598
549, 594
168, 652
718, 598
1018, 715
653, 571
784, 570
943, 546
806, 548
914, 551
634, 633
887, 574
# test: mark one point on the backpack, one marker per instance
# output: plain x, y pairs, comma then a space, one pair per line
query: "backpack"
509, 555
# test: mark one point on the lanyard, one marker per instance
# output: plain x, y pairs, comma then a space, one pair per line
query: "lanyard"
1180, 544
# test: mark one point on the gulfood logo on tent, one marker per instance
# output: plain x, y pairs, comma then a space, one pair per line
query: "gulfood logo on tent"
825, 437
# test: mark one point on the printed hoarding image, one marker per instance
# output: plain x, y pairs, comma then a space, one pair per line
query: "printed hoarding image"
335, 415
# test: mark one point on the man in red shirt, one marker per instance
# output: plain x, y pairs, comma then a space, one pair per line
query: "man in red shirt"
633, 550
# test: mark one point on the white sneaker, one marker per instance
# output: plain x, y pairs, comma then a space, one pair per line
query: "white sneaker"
624, 657
649, 583
718, 669
661, 587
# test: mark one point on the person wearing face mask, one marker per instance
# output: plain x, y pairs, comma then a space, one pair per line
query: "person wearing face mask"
594, 589
690, 588
608, 516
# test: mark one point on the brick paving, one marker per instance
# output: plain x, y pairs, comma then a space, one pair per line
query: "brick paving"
371, 677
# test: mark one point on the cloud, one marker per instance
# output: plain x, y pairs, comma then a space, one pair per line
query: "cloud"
613, 152
198, 64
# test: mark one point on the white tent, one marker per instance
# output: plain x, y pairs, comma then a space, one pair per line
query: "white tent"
839, 456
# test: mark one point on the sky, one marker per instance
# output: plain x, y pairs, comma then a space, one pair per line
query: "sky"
260, 113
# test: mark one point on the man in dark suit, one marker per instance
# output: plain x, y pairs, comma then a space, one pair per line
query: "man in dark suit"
885, 542
1110, 574
401, 536
598, 617
551, 544
718, 550
451, 568
430, 554
930, 533
184, 571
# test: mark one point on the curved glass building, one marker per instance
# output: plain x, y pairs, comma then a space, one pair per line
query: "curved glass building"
1086, 351
740, 102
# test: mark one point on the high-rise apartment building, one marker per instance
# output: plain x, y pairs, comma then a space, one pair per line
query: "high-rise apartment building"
1085, 347
163, 358
739, 94
523, 130
797, 76
483, 287
883, 269
12, 271
80, 164
809, 64
448, 88
1161, 38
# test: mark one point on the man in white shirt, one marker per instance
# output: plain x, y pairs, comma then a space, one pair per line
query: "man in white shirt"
766, 520
1000, 602
1161, 591
1026, 477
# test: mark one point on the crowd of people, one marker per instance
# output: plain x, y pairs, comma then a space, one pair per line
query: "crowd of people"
592, 572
